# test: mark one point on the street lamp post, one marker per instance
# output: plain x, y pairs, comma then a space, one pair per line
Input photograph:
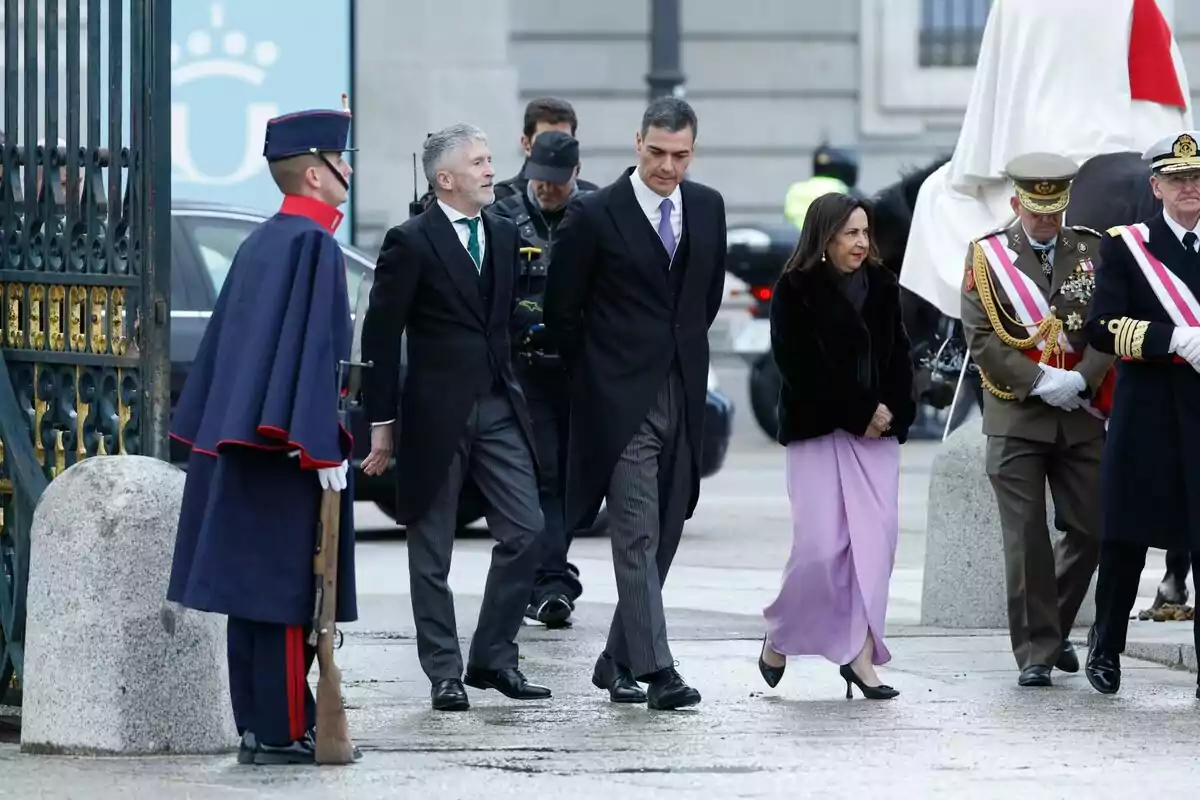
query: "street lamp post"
665, 78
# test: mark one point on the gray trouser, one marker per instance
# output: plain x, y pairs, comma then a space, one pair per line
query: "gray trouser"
494, 453
647, 502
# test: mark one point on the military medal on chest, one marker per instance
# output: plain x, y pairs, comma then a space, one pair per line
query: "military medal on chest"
1082, 282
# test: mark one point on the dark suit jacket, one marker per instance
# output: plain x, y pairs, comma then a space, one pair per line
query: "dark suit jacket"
458, 344
622, 315
818, 341
1150, 473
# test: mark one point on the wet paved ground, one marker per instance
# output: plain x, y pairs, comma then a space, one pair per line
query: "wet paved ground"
961, 726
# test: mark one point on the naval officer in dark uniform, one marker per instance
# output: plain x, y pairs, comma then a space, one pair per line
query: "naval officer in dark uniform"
1145, 311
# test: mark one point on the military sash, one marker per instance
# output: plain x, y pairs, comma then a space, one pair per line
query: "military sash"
1032, 309
1174, 295
1025, 295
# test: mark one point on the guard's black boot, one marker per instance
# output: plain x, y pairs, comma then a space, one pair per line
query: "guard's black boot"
300, 752
246, 748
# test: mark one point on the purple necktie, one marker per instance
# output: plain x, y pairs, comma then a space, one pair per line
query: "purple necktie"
664, 226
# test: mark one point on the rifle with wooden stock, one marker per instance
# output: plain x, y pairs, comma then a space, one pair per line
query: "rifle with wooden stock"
333, 742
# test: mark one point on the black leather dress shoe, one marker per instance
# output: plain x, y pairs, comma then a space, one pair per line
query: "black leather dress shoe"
1035, 675
1103, 672
246, 748
299, 752
508, 682
553, 611
618, 680
1068, 659
668, 692
449, 695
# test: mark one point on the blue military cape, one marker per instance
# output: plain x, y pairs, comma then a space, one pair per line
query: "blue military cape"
262, 386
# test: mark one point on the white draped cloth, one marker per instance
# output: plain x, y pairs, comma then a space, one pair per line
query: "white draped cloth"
1052, 76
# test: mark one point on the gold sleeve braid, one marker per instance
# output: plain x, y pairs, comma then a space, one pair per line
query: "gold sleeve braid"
1048, 329
1128, 336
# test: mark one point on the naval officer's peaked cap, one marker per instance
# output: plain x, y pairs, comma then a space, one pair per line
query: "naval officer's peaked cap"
1043, 181
316, 131
1178, 152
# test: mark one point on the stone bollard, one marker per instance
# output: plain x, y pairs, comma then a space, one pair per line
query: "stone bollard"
111, 668
963, 582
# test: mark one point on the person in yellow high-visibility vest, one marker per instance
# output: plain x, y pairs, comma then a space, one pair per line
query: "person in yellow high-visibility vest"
834, 170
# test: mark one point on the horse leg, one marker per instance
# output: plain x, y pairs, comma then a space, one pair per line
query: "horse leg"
1173, 588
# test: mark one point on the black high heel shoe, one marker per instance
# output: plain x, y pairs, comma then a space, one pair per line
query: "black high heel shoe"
870, 692
772, 675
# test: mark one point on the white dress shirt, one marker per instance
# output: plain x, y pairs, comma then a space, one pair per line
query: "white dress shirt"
649, 200
464, 231
1179, 230
1034, 243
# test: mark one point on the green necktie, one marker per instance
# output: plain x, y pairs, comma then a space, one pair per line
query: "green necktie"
473, 240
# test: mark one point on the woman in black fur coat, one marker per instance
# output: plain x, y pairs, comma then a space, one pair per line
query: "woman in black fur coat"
844, 410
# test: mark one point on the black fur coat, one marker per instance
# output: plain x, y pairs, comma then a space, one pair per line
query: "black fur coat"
838, 364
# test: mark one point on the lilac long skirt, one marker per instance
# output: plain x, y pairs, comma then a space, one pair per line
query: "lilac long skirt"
844, 491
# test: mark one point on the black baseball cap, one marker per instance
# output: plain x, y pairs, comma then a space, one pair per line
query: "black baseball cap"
553, 157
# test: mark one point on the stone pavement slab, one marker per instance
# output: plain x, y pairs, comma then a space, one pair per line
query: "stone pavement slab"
961, 725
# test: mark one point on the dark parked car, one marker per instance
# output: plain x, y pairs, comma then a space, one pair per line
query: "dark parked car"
205, 238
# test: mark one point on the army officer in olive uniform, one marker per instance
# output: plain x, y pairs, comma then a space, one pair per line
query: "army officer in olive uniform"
1024, 303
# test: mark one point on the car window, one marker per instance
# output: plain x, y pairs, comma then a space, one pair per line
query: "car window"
219, 238
218, 241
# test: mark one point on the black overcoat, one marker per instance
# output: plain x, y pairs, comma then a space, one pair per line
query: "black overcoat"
1150, 472
821, 345
622, 315
456, 318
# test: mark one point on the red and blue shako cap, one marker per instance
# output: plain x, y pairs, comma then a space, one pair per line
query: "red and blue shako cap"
315, 131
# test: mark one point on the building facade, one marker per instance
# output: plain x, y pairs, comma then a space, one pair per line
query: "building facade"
770, 80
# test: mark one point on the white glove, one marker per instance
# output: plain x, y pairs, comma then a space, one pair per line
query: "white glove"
333, 478
1060, 387
1185, 342
1050, 378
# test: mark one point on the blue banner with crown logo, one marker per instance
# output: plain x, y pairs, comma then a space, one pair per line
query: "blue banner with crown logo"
233, 67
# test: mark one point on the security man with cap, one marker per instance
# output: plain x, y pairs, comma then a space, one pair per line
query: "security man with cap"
835, 169
1145, 312
1025, 297
537, 211
259, 415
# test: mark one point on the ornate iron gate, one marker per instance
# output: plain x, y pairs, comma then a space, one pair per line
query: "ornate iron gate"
84, 258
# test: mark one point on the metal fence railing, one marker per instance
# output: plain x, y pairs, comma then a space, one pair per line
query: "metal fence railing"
951, 31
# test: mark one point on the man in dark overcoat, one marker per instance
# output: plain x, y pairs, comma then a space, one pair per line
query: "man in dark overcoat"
446, 277
1144, 310
637, 278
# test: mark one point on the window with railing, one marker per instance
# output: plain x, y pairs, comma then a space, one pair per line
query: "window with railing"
951, 31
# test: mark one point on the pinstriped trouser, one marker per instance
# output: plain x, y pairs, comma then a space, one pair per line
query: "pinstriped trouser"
647, 503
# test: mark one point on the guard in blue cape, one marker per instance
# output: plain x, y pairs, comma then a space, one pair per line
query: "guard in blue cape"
1145, 311
260, 414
